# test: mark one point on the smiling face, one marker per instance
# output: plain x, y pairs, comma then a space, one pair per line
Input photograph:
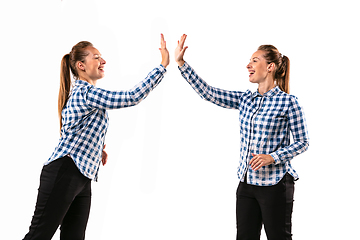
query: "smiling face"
92, 69
259, 70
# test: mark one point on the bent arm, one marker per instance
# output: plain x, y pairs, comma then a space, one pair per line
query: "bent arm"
299, 131
220, 97
104, 99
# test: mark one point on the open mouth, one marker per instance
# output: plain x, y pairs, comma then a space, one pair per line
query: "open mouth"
251, 72
101, 69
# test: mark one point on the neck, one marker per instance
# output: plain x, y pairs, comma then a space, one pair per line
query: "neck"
266, 86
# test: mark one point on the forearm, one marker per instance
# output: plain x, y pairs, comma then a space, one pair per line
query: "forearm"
104, 99
289, 152
198, 84
220, 97
141, 90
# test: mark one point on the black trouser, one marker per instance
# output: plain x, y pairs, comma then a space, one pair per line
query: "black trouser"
64, 199
270, 205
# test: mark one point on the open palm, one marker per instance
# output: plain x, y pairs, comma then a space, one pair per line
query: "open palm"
180, 50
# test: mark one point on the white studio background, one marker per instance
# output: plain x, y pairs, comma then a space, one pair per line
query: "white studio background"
172, 159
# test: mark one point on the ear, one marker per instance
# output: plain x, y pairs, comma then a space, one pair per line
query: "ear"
80, 66
271, 67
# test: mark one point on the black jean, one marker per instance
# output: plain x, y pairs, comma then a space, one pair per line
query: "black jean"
64, 198
270, 205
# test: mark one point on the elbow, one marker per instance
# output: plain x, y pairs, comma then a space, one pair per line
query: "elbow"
135, 99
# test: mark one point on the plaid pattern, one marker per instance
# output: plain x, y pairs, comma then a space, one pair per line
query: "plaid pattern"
85, 120
265, 125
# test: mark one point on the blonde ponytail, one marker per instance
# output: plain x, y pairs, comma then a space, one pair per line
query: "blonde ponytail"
65, 84
282, 74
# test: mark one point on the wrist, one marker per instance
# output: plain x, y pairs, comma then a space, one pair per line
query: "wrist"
275, 158
180, 63
165, 62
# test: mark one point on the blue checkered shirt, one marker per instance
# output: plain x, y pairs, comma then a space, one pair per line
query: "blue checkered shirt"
85, 120
265, 125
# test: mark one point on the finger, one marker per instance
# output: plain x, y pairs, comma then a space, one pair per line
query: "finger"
182, 40
253, 163
104, 146
183, 51
163, 46
183, 37
256, 162
257, 165
253, 158
162, 41
180, 45
257, 168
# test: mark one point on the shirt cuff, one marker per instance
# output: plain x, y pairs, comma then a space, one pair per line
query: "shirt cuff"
183, 67
276, 158
162, 68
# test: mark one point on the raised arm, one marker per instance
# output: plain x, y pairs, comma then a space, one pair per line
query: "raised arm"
104, 99
100, 98
220, 97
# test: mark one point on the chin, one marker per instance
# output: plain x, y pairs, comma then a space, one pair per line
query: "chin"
252, 81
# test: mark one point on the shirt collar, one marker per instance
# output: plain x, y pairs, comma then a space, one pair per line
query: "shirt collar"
81, 82
272, 92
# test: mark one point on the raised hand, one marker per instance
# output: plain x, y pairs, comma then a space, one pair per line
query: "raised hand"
164, 52
180, 51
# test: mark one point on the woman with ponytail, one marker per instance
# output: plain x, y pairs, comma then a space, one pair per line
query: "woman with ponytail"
267, 117
64, 194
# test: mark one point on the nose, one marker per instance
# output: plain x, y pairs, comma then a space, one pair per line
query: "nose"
248, 66
103, 61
